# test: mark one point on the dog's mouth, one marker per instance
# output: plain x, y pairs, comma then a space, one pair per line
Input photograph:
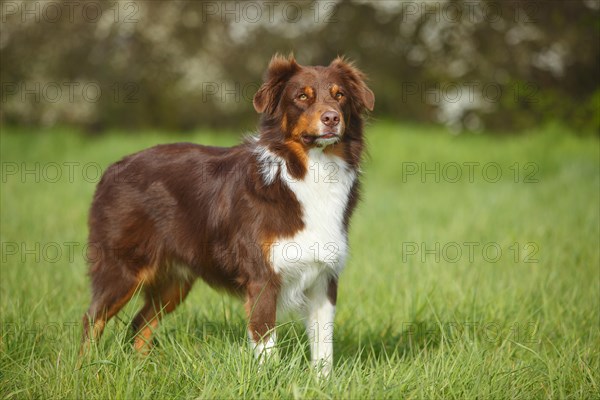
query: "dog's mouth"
321, 140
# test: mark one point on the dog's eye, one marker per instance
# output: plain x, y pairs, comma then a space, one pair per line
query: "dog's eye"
303, 97
339, 95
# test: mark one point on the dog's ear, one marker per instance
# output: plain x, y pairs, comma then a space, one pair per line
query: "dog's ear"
356, 80
279, 71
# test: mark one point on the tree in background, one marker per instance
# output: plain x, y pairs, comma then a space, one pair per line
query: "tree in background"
500, 65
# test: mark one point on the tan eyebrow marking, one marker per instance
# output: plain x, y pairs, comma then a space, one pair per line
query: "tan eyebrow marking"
308, 91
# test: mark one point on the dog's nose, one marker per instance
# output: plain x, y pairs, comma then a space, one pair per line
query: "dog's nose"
330, 118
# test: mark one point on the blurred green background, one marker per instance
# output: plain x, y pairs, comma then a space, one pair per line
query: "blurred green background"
499, 66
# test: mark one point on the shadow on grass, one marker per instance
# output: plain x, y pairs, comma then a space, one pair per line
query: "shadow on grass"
368, 343
350, 341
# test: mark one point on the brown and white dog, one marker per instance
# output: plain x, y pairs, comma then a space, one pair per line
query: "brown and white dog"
266, 220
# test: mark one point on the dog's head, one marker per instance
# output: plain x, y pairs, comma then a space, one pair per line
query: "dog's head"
312, 106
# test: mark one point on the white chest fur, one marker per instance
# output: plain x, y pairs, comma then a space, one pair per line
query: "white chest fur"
320, 249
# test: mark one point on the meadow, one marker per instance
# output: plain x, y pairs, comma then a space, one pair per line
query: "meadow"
474, 273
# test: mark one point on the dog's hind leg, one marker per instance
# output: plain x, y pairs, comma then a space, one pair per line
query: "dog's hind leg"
109, 296
160, 300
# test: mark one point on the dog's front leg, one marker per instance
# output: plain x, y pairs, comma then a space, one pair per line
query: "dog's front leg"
319, 323
261, 308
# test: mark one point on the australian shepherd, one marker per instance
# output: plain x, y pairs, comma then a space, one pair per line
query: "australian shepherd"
267, 220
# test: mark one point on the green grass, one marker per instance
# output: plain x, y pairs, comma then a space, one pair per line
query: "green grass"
412, 321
